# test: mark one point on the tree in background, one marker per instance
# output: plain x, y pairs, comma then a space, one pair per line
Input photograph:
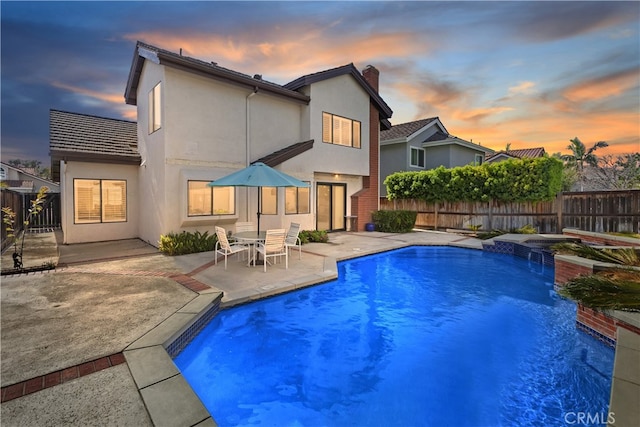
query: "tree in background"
618, 173
34, 167
569, 174
580, 156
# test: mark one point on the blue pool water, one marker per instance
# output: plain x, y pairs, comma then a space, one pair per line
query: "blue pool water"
421, 336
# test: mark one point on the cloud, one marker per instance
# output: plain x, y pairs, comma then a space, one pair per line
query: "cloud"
548, 21
522, 88
286, 54
602, 87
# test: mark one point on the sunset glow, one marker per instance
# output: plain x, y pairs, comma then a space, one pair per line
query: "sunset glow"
529, 74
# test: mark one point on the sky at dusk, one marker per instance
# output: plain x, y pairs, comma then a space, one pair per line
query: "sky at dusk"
532, 74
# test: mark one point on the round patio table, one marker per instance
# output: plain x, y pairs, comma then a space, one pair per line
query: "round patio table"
251, 239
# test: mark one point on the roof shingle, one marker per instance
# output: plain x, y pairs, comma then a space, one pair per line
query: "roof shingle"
403, 130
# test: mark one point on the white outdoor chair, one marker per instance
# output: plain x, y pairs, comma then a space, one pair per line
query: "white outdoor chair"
293, 240
274, 247
245, 226
225, 248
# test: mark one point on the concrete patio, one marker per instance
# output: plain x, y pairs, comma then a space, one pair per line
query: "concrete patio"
90, 325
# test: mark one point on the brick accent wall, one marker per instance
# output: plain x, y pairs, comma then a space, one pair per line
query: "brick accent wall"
367, 200
565, 271
602, 322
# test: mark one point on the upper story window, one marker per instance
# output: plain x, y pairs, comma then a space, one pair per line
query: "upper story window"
340, 130
3, 173
155, 111
99, 200
205, 200
417, 157
478, 160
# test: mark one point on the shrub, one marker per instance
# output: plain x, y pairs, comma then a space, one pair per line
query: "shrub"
621, 256
509, 181
614, 290
394, 221
186, 243
310, 236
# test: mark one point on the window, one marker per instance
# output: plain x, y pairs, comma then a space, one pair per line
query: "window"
3, 173
205, 200
417, 157
99, 200
155, 113
269, 201
296, 200
341, 131
479, 158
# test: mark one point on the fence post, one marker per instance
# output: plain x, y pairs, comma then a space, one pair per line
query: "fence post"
490, 215
558, 207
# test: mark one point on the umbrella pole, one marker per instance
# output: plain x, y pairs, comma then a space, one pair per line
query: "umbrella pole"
259, 195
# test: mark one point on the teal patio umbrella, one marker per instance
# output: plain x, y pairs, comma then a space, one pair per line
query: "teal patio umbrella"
258, 175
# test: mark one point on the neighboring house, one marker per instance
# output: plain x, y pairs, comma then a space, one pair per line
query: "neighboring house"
198, 122
525, 153
424, 144
19, 180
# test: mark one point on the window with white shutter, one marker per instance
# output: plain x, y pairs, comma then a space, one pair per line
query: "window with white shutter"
340, 130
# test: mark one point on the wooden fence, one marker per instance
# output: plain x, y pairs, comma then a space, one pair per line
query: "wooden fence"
49, 218
596, 211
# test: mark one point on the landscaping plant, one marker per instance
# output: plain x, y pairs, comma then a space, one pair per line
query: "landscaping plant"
394, 221
187, 243
9, 220
620, 256
513, 180
613, 290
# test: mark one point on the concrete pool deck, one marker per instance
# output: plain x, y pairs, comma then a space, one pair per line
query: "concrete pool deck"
84, 344
66, 333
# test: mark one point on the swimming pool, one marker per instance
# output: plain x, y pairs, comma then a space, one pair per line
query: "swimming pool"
414, 337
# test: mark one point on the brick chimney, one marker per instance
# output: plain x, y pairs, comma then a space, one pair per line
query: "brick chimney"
367, 200
372, 76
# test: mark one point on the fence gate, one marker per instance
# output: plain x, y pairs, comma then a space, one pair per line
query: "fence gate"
48, 219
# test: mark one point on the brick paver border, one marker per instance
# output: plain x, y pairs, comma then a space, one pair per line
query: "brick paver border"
52, 379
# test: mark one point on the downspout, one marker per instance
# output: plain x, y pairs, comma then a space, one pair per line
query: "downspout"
63, 208
248, 144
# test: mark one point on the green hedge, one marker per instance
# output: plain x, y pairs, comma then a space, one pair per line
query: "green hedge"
394, 221
509, 181
317, 236
187, 243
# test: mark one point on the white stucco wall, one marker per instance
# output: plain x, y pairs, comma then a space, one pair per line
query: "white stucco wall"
151, 179
81, 233
210, 129
341, 96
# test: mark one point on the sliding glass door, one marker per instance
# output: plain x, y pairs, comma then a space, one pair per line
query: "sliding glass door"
331, 206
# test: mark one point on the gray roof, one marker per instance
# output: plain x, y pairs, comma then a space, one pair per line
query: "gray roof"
403, 130
82, 137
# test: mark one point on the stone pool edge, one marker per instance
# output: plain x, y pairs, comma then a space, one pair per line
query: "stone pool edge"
166, 394
170, 400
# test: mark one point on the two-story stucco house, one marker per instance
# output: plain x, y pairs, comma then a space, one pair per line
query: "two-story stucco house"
197, 122
424, 144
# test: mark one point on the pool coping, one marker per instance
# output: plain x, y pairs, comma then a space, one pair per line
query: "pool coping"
170, 400
167, 396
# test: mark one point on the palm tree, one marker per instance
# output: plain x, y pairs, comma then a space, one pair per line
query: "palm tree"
580, 155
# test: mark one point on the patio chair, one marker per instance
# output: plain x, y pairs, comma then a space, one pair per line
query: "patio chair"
245, 226
274, 247
293, 240
225, 248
